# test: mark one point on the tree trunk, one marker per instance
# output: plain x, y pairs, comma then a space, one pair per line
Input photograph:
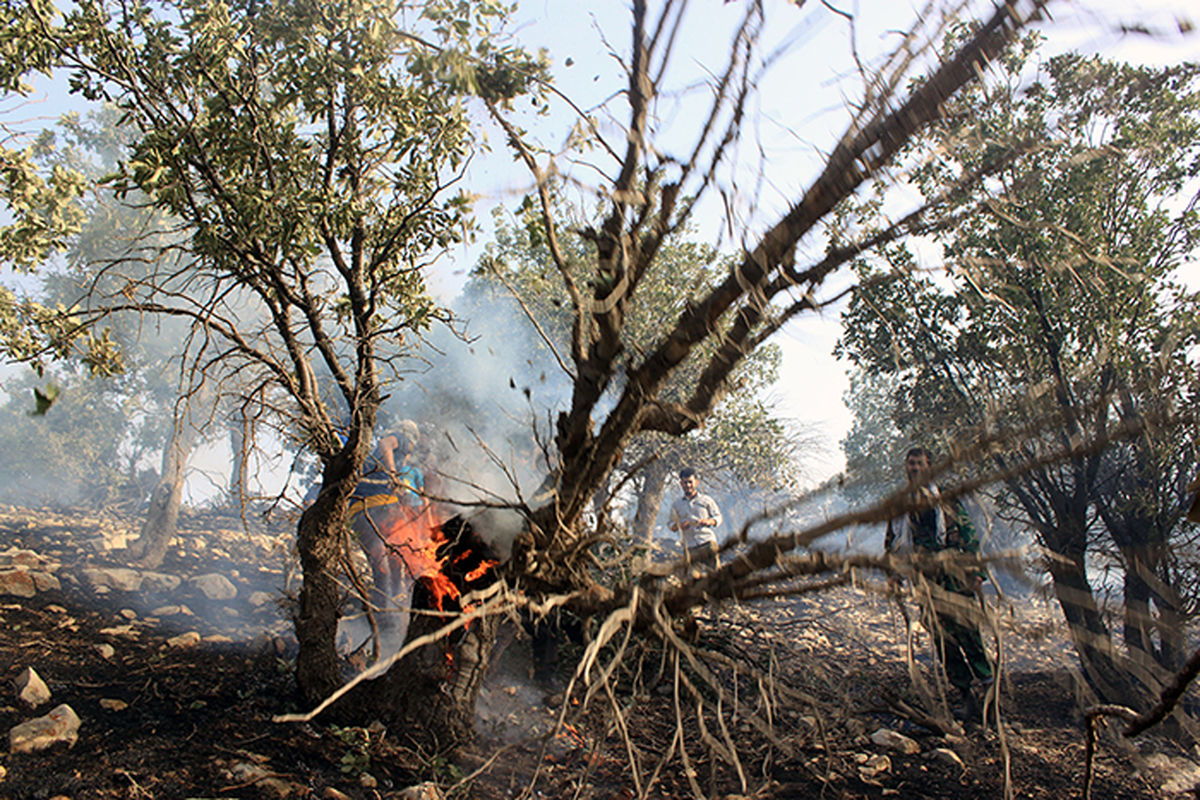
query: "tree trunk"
321, 541
1089, 634
427, 700
238, 443
654, 485
1137, 609
163, 515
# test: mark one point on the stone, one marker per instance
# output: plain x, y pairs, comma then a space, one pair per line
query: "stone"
160, 582
28, 559
422, 791
17, 582
45, 582
260, 599
113, 704
269, 782
24, 558
124, 631
215, 586
874, 765
106, 651
330, 793
189, 639
114, 539
122, 579
896, 742
1179, 776
947, 757
367, 781
59, 726
128, 613
171, 611
31, 689
217, 638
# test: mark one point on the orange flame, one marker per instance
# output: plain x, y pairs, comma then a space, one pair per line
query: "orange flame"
415, 536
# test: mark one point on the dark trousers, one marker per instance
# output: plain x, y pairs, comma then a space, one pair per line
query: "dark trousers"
960, 646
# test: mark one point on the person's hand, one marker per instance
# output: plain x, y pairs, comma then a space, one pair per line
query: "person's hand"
685, 524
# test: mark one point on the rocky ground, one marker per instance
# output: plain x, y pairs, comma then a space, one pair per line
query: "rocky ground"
163, 684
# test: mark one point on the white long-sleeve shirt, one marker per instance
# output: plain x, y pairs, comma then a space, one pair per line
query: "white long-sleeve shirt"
697, 507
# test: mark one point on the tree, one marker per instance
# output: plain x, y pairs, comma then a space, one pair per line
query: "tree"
742, 441
1057, 310
309, 152
325, 132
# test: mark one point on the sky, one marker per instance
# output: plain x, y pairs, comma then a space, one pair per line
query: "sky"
801, 107
799, 112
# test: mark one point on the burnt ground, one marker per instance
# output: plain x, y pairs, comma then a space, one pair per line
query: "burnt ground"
163, 721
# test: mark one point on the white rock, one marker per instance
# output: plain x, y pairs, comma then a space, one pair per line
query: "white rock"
120, 578
171, 611
215, 586
422, 791
874, 765
189, 639
124, 631
947, 757
259, 599
113, 704
160, 582
128, 613
895, 741
105, 650
115, 539
17, 582
31, 689
60, 725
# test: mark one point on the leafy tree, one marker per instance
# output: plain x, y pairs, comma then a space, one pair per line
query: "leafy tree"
742, 441
1056, 307
309, 151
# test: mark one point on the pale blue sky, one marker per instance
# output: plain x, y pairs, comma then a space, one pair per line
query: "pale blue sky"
799, 113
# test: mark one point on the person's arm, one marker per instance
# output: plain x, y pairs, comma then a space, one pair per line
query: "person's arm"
714, 515
387, 453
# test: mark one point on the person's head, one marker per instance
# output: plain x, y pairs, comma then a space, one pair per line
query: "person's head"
403, 448
916, 464
689, 481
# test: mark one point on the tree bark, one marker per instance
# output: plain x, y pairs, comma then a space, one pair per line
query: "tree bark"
321, 542
654, 485
1088, 632
163, 515
427, 699
238, 443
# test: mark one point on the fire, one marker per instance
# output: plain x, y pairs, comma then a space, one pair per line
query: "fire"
415, 538
419, 538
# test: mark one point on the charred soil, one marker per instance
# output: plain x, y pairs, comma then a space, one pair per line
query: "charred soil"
165, 719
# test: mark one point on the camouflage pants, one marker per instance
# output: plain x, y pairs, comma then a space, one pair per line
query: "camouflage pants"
960, 647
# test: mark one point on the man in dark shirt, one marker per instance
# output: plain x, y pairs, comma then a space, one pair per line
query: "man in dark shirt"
931, 528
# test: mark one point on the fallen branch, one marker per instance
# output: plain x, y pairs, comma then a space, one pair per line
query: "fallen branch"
1136, 723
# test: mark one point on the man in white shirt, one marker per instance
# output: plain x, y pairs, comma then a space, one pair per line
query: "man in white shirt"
696, 516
